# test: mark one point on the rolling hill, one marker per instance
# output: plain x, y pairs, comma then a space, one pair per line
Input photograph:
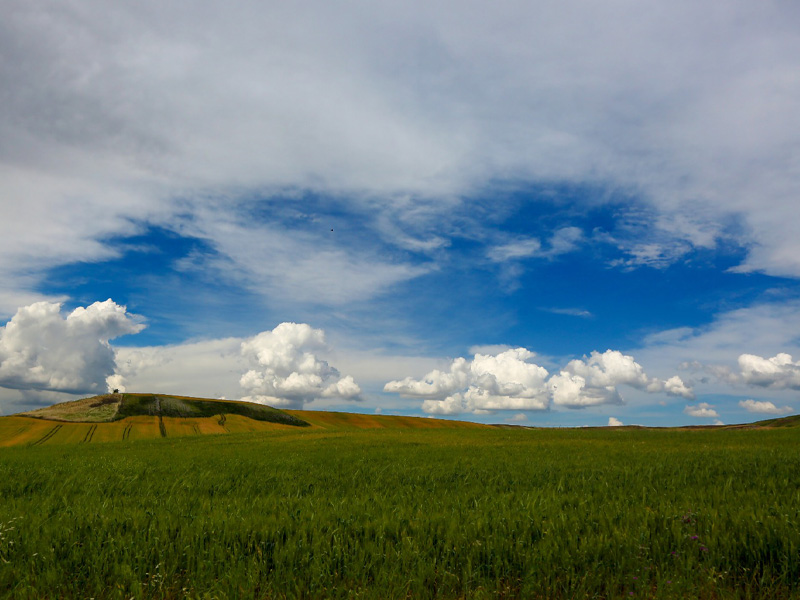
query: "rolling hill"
123, 417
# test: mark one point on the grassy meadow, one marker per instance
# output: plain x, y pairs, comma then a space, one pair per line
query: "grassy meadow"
336, 511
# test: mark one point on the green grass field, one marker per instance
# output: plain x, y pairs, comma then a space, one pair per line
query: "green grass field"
389, 512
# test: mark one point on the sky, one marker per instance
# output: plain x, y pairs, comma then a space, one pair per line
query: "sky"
549, 213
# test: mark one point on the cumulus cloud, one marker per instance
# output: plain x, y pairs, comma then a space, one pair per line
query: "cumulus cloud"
40, 349
594, 381
765, 407
435, 385
509, 381
778, 372
702, 410
288, 371
614, 422
503, 381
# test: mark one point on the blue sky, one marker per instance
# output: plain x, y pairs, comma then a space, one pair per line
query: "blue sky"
595, 207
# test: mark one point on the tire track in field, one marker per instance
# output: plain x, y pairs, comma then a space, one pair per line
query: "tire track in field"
47, 436
126, 433
89, 434
161, 427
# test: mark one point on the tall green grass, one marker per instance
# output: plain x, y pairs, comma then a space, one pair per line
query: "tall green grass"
407, 514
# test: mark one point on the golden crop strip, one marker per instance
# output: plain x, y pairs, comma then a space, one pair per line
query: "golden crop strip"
21, 431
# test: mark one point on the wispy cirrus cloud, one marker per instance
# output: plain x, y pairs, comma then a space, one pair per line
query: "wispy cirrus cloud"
571, 312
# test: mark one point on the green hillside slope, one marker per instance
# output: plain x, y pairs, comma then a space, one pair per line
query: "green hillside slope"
113, 407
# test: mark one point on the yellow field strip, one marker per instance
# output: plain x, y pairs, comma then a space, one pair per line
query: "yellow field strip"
27, 431
340, 420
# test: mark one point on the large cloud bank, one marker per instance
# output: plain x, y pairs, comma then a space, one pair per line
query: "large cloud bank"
407, 104
288, 371
42, 350
509, 381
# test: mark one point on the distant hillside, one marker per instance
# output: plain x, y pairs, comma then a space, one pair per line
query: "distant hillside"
113, 407
343, 420
130, 417
790, 421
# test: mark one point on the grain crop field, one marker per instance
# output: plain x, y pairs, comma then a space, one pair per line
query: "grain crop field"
321, 512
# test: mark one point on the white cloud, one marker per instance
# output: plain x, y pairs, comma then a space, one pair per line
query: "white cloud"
42, 350
517, 418
508, 381
288, 371
674, 386
765, 407
594, 381
778, 372
524, 248
562, 241
614, 422
702, 410
115, 382
436, 384
504, 381
310, 267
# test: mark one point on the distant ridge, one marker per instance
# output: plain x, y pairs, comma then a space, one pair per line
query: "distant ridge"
790, 421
